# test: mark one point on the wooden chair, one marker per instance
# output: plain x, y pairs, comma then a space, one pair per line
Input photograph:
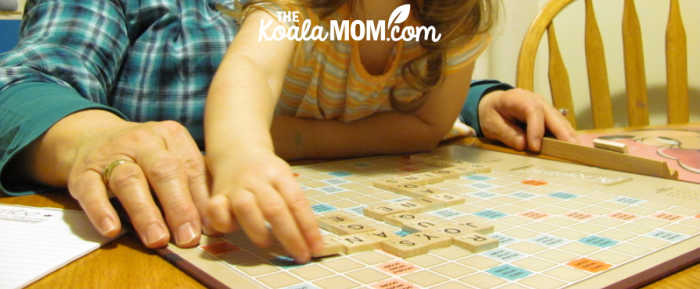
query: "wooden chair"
601, 106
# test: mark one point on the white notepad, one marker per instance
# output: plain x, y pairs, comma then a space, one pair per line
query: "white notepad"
37, 241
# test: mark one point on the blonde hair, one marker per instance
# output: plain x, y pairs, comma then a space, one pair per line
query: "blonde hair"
459, 21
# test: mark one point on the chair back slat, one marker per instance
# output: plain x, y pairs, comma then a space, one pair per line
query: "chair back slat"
635, 73
559, 78
601, 106
676, 67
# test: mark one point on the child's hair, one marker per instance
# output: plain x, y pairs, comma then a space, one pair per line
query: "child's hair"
459, 21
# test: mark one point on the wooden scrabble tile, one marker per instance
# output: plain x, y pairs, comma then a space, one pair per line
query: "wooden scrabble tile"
336, 217
447, 199
414, 206
428, 203
381, 235
387, 184
476, 242
400, 218
331, 246
342, 223
422, 223
451, 229
404, 247
407, 189
418, 179
474, 224
354, 228
610, 145
447, 173
381, 211
472, 168
359, 242
432, 240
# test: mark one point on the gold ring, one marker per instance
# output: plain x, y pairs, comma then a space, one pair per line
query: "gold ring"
113, 165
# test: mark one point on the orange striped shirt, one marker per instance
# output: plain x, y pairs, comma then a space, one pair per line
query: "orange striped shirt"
326, 80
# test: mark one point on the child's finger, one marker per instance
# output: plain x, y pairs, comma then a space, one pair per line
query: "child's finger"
250, 217
276, 212
220, 214
301, 210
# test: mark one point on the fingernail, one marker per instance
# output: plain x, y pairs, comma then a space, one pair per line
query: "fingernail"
185, 233
154, 234
303, 258
107, 225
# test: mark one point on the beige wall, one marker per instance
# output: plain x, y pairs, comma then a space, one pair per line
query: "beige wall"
500, 61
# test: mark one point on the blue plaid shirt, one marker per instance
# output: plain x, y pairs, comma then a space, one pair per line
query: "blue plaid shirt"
144, 60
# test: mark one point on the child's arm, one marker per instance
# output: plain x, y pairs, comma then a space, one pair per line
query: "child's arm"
384, 133
252, 186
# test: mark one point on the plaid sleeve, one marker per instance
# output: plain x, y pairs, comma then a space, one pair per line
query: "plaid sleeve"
67, 60
72, 43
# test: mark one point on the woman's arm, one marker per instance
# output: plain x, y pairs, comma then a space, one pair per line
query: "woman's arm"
383, 133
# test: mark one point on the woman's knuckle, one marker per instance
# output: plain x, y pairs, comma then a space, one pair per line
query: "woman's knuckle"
126, 175
171, 126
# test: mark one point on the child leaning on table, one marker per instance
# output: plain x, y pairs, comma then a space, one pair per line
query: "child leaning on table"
338, 98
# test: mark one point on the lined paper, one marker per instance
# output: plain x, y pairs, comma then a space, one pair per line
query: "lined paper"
37, 241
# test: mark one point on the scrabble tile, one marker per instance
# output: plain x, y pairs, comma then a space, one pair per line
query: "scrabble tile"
422, 223
405, 247
381, 235
386, 184
451, 229
474, 224
358, 243
407, 189
447, 173
446, 200
476, 242
414, 206
331, 246
419, 179
353, 228
380, 211
431, 240
400, 218
342, 223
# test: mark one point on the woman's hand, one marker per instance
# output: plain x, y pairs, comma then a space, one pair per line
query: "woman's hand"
145, 159
255, 189
501, 114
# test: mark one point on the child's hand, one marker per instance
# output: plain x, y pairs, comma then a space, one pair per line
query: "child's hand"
502, 112
256, 188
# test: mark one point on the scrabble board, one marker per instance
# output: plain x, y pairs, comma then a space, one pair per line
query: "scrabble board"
555, 225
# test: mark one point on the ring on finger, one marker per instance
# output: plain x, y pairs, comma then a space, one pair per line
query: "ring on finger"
110, 168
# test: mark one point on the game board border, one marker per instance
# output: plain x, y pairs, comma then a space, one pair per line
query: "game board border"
190, 269
659, 271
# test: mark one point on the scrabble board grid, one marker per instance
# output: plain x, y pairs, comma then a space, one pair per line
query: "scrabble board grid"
558, 225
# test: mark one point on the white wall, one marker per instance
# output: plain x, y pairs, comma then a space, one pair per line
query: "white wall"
500, 61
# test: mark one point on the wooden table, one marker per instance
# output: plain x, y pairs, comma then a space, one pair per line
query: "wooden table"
125, 263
